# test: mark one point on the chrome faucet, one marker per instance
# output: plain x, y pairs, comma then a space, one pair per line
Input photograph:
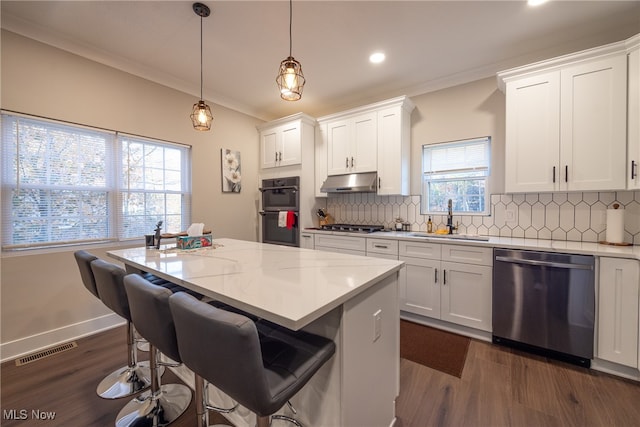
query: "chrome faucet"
450, 216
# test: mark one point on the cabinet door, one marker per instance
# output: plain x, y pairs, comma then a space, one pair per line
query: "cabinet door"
419, 287
393, 151
593, 119
618, 311
532, 133
364, 144
355, 244
289, 150
306, 241
338, 148
633, 125
320, 154
269, 148
466, 295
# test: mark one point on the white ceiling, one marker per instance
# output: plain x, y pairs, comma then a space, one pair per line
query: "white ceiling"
429, 44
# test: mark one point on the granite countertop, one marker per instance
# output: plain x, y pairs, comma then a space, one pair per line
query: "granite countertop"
588, 248
286, 285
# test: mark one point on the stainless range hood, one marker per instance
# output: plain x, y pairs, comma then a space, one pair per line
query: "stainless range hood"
365, 182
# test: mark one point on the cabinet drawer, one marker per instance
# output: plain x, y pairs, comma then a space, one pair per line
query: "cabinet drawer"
420, 249
341, 242
467, 254
382, 246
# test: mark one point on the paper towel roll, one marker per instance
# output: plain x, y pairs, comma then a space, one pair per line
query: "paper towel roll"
615, 226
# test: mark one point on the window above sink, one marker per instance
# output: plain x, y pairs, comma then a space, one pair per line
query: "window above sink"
457, 171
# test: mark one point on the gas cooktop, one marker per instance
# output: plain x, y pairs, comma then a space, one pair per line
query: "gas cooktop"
352, 228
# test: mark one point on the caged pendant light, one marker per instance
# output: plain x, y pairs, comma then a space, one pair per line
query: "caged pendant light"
201, 113
290, 79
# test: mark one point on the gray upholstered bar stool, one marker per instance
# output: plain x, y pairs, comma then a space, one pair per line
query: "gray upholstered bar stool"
261, 368
163, 404
135, 377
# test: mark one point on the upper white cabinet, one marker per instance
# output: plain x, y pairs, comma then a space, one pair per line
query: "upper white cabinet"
633, 122
373, 138
394, 146
281, 140
352, 144
566, 123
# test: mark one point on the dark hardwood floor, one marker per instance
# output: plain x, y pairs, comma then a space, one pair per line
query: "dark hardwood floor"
499, 387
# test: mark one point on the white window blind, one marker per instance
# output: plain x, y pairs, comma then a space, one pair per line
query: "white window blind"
64, 184
456, 170
155, 186
461, 157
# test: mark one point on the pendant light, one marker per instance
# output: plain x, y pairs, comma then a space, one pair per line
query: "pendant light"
290, 79
201, 113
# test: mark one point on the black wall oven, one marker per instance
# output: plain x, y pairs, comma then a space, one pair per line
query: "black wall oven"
280, 196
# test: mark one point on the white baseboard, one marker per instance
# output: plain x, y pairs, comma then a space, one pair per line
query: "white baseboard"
13, 349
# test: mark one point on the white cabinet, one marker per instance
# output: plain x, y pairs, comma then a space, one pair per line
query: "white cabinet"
382, 248
373, 138
447, 282
618, 311
593, 120
281, 141
340, 244
306, 240
633, 121
532, 152
394, 146
352, 144
566, 124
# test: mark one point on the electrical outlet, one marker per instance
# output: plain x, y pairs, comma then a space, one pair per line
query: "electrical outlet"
510, 215
377, 325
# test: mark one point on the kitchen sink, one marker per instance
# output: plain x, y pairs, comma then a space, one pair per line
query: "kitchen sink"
450, 236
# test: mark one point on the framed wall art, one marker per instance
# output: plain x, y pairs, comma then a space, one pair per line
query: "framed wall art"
231, 176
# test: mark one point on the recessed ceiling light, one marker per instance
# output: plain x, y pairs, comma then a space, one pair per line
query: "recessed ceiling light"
376, 57
536, 2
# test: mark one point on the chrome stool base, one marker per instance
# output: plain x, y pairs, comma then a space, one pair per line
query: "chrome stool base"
158, 410
125, 381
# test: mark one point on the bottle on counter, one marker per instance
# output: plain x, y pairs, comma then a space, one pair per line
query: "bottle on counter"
429, 226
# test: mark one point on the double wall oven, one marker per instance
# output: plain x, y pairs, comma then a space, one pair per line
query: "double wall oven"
280, 196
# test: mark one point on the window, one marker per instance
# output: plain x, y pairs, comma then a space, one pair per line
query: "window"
65, 184
458, 171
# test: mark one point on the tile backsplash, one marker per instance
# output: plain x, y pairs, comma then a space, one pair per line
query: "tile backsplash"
557, 216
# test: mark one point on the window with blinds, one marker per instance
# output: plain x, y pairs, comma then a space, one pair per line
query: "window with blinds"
459, 171
65, 184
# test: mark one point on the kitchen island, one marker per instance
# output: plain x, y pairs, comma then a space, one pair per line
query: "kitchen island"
351, 299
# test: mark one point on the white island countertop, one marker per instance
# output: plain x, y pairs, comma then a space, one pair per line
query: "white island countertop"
288, 286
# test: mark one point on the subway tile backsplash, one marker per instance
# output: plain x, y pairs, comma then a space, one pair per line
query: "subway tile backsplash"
557, 216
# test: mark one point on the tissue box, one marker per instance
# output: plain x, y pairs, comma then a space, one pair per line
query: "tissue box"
193, 242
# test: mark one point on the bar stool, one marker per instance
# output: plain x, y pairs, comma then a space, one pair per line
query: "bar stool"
260, 368
163, 404
130, 379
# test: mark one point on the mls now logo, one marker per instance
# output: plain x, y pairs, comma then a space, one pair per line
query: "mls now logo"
23, 414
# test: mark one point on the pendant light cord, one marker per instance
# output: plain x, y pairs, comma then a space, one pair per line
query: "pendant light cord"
290, 24
201, 80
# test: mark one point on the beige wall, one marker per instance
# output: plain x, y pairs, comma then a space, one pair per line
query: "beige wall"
42, 292
466, 111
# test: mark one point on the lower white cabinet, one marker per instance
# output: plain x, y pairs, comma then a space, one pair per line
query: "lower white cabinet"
341, 244
618, 311
306, 241
447, 282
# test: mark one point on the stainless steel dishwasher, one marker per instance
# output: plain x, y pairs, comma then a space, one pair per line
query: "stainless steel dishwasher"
545, 302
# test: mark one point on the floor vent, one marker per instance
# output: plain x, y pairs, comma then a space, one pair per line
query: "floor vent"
45, 353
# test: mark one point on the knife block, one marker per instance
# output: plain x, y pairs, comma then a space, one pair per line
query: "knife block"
328, 219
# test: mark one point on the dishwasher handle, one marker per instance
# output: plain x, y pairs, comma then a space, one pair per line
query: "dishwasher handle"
543, 263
